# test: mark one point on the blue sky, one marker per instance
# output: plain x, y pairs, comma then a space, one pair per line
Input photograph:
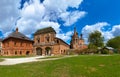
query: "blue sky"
63, 15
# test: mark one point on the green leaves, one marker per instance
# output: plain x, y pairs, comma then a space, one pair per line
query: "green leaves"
96, 39
114, 42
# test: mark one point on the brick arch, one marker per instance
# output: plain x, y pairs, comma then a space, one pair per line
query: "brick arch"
48, 51
38, 51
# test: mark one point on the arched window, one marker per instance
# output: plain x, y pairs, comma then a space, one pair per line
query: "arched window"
57, 41
48, 38
7, 52
64, 51
15, 52
14, 43
61, 51
38, 39
76, 40
20, 52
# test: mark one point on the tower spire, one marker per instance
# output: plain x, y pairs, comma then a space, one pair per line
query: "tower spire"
81, 36
75, 29
17, 30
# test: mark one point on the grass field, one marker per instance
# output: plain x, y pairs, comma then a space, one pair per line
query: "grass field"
79, 66
1, 60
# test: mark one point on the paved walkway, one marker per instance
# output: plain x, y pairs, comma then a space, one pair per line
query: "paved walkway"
13, 61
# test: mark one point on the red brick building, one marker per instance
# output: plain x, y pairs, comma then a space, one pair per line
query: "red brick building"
0, 47
46, 43
77, 42
17, 44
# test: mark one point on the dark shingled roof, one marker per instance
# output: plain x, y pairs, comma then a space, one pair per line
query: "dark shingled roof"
0, 40
62, 41
17, 35
45, 30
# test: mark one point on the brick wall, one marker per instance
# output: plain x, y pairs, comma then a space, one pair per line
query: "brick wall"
13, 47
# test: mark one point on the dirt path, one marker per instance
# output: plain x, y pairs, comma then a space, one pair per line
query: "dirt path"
13, 61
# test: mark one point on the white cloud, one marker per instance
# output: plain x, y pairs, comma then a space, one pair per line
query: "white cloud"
34, 11
98, 26
65, 36
116, 30
36, 15
61, 5
72, 17
107, 34
9, 12
56, 26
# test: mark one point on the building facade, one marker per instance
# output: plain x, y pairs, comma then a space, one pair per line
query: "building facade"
77, 42
0, 47
46, 43
17, 44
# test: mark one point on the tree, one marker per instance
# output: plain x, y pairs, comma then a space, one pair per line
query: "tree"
114, 42
95, 39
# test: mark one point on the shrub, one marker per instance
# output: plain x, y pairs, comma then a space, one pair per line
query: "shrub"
105, 51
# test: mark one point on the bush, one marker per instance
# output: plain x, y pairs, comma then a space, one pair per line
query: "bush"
105, 51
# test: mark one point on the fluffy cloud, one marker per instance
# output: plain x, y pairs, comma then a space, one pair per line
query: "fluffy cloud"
36, 15
61, 5
9, 13
116, 30
65, 36
72, 17
91, 28
108, 34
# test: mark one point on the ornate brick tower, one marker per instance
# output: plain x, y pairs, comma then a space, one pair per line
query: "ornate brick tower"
76, 41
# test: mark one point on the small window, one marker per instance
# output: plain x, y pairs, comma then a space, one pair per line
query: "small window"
38, 41
15, 43
15, 52
76, 40
64, 51
48, 38
20, 52
61, 51
7, 53
57, 41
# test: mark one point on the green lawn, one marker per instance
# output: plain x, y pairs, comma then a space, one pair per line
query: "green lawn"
1, 60
79, 66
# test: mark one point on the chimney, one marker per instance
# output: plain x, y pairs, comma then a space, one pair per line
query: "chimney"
17, 30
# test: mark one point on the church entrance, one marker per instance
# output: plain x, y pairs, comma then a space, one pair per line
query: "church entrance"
48, 51
38, 51
27, 52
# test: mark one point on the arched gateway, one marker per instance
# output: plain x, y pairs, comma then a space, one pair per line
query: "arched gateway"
38, 51
48, 51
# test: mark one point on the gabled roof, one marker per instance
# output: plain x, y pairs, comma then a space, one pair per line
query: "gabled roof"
45, 30
18, 35
62, 41
110, 48
0, 40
